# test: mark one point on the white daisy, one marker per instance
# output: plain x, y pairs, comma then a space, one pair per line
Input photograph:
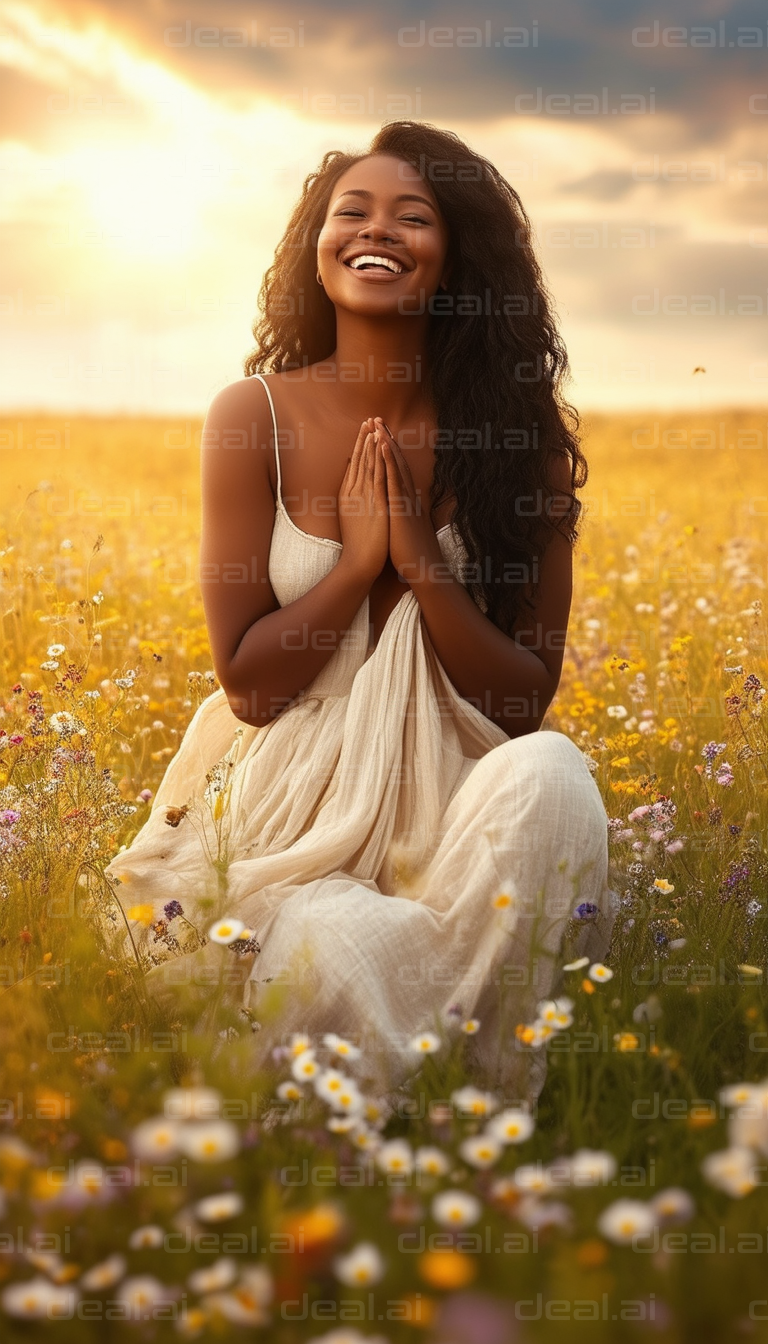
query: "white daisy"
456, 1208
362, 1266
625, 1219
511, 1126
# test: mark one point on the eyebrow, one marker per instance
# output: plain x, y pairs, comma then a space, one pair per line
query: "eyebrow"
353, 191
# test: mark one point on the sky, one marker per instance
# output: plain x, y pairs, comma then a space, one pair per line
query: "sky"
151, 153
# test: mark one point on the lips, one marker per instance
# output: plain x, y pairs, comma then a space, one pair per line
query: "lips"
376, 263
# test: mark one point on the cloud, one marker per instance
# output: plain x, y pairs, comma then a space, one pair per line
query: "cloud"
452, 61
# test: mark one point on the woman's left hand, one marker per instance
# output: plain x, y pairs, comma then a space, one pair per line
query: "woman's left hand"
413, 544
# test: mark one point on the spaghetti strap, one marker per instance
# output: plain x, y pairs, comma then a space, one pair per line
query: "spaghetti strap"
275, 435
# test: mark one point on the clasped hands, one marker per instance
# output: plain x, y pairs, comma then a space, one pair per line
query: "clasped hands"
380, 511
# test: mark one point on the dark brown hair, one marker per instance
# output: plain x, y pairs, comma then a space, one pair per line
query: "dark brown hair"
494, 359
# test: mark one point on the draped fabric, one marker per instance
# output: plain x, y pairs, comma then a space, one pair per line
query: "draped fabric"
366, 835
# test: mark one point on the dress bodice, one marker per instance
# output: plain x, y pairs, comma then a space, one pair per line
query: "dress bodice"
298, 561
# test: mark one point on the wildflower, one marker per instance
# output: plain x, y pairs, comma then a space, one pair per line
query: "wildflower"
191, 1103
471, 1026
481, 1150
616, 712
625, 1041
431, 1161
710, 752
225, 931
661, 884
395, 1156
626, 1219
143, 914
446, 1268
365, 1139
599, 973
316, 1226
340, 1092
361, 1266
148, 1237
341, 1124
503, 901
289, 1091
238, 1307
305, 1066
577, 965
257, 1280
191, 1322
673, 1206
511, 1126
104, 1275
426, 1043
537, 1213
209, 1141
455, 1208
748, 1123
299, 1043
751, 972
174, 908
533, 1177
339, 1046
37, 1298
347, 1336
589, 1166
140, 1294
65, 724
349, 1100
220, 1274
586, 910
555, 1013
155, 1138
215, 1208
471, 1101
734, 1170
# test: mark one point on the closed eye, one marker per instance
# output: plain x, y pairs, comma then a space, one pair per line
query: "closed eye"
408, 219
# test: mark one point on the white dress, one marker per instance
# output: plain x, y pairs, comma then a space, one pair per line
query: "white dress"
365, 836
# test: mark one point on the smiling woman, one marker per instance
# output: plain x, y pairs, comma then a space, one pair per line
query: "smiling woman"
400, 836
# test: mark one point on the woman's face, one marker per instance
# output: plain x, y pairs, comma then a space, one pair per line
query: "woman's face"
382, 208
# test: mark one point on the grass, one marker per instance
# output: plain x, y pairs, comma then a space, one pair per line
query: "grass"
662, 689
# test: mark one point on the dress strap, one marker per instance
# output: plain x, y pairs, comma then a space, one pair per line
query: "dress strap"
275, 434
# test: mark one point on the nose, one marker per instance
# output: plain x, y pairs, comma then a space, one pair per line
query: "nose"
375, 229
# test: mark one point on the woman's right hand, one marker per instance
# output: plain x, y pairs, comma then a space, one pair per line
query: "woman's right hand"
363, 507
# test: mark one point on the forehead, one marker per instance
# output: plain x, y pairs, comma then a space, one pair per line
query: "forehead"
384, 174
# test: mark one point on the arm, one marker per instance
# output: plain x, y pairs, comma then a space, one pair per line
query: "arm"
264, 655
510, 679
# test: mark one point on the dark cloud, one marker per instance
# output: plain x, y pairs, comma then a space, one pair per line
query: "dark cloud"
696, 60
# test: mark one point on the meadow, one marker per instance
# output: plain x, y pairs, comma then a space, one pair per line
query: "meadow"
156, 1186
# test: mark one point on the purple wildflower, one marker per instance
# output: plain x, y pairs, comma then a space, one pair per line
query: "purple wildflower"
585, 911
172, 909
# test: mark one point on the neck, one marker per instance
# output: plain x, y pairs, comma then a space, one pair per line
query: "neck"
381, 365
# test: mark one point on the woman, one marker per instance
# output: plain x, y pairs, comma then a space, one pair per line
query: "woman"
388, 524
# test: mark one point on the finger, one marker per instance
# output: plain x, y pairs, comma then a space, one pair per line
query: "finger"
380, 478
386, 435
363, 456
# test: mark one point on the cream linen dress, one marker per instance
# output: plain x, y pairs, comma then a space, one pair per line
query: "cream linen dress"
366, 835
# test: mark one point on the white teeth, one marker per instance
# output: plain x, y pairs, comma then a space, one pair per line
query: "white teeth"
391, 265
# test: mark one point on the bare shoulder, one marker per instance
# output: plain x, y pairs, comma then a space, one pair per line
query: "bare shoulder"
237, 404
236, 441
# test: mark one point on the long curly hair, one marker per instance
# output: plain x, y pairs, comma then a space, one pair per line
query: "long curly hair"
494, 360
